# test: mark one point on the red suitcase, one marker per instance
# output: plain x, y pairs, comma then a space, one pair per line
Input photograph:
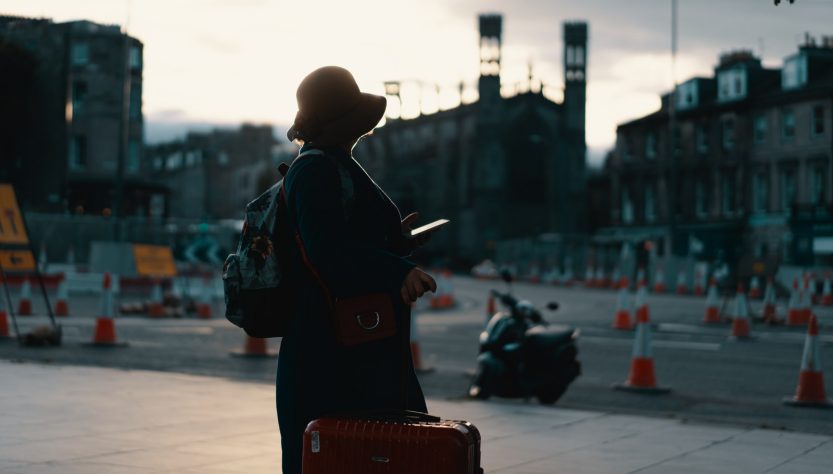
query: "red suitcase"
407, 443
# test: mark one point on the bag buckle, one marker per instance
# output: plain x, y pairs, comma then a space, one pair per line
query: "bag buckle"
365, 326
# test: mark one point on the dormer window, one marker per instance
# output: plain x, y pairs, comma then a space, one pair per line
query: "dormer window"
794, 73
687, 95
731, 84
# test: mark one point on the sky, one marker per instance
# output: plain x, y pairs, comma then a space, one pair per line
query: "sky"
210, 62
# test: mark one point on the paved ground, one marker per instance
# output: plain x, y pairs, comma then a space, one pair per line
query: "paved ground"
61, 419
712, 378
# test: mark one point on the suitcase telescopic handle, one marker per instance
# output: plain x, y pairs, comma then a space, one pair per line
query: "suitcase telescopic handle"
401, 415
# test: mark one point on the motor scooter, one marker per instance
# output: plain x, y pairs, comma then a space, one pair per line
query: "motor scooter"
522, 355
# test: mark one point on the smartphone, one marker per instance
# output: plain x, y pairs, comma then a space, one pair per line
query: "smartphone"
429, 227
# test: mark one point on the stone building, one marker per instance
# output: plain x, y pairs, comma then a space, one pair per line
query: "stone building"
213, 175
76, 126
751, 174
499, 168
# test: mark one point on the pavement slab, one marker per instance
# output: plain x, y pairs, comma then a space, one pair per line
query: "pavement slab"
68, 419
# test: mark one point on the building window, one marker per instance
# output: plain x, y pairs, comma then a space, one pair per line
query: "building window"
728, 137
135, 102
788, 189
627, 207
760, 128
79, 98
135, 58
78, 153
727, 192
787, 123
794, 73
818, 120
703, 138
222, 158
817, 186
133, 156
731, 84
650, 205
79, 54
650, 145
701, 205
760, 191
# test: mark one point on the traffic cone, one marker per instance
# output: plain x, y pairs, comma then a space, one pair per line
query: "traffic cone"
641, 377
62, 304
740, 316
795, 314
769, 312
826, 293
567, 277
156, 306
659, 281
588, 278
622, 319
812, 295
754, 288
810, 390
24, 306
698, 283
204, 308
254, 347
444, 298
682, 284
601, 279
712, 315
416, 352
534, 273
104, 334
640, 274
491, 308
615, 278
4, 323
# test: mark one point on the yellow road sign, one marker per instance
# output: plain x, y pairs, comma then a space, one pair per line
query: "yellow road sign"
17, 260
12, 230
154, 260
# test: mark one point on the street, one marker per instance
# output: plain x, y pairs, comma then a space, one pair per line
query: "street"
712, 378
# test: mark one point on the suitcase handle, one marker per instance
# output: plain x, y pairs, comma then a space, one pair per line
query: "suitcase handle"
400, 415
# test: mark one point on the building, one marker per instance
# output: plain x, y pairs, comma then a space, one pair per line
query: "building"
751, 174
213, 175
503, 167
73, 138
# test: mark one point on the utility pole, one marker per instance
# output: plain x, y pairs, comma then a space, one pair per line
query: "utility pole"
124, 133
673, 165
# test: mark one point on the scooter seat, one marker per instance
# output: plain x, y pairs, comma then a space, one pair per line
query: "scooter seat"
542, 337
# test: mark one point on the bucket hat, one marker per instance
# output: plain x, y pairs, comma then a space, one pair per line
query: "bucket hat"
332, 110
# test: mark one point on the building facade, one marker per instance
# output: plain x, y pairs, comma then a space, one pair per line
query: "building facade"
750, 178
75, 141
213, 175
501, 167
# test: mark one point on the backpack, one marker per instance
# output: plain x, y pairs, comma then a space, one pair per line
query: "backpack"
260, 293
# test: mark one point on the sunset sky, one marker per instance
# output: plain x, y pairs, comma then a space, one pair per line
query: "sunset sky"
227, 61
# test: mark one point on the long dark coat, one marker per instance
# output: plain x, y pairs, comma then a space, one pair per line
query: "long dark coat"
355, 252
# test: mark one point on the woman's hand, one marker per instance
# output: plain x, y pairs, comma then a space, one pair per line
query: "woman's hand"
416, 283
417, 241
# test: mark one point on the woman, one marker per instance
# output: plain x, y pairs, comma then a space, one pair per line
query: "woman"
355, 239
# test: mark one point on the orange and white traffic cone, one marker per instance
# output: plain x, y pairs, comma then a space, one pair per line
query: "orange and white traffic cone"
806, 301
769, 313
826, 292
698, 283
740, 316
712, 315
641, 377
567, 278
24, 305
62, 303
104, 334
812, 294
659, 280
444, 298
4, 323
491, 308
622, 320
754, 288
204, 307
682, 284
795, 314
810, 390
416, 352
589, 278
156, 305
254, 347
615, 279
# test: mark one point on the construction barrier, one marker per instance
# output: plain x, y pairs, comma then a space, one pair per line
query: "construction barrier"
741, 329
622, 319
810, 390
712, 315
24, 305
641, 377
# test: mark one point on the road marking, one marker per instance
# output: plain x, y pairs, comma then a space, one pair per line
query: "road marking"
696, 346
